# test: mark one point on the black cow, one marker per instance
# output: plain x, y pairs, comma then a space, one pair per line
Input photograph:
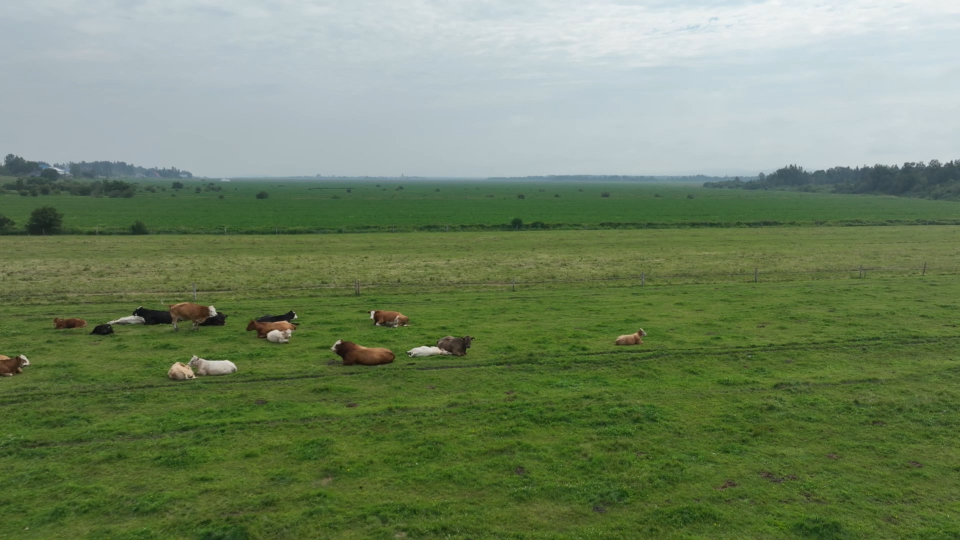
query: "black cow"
288, 316
219, 320
153, 316
455, 345
103, 329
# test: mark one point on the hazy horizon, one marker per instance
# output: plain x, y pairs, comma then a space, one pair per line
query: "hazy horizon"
481, 89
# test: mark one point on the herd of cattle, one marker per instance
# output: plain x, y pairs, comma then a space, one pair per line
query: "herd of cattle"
274, 328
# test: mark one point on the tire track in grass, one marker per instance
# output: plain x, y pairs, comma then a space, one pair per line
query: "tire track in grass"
34, 396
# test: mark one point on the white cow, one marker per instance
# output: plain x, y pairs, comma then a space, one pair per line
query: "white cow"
212, 367
279, 336
132, 319
180, 372
427, 350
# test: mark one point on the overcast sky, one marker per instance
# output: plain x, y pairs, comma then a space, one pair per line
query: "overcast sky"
480, 88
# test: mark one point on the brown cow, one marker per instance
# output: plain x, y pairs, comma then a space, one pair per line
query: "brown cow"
180, 372
264, 328
392, 319
355, 354
455, 346
185, 311
632, 339
60, 324
11, 366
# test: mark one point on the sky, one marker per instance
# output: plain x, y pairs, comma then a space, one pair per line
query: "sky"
476, 88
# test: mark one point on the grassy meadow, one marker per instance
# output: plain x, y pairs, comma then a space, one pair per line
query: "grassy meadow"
810, 404
354, 205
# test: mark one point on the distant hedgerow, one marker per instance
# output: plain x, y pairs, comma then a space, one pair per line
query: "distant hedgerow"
263, 195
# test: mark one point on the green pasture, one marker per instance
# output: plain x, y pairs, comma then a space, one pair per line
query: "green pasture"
353, 205
808, 404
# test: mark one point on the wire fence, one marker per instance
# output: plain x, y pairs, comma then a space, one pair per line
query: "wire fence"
358, 287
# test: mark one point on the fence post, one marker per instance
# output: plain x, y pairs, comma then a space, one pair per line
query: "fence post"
224, 229
861, 271
513, 286
643, 278
756, 273
924, 272
194, 292
356, 287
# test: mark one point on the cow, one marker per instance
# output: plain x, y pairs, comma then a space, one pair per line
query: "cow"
456, 346
279, 336
180, 372
133, 319
426, 350
390, 319
219, 319
212, 367
351, 353
263, 328
60, 324
186, 311
103, 329
288, 316
12, 366
153, 316
632, 339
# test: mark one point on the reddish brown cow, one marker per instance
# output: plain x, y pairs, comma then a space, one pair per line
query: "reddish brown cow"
355, 354
185, 311
264, 328
11, 366
60, 324
392, 319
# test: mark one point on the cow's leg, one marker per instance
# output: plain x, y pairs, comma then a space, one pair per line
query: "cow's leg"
8, 374
175, 319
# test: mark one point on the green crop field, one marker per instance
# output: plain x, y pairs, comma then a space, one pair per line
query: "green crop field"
818, 401
328, 206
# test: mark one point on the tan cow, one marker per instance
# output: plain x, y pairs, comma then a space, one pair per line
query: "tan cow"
186, 311
12, 366
181, 372
351, 353
632, 339
264, 328
391, 319
60, 324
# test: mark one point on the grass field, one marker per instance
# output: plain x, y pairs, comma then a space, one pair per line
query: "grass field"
314, 206
806, 405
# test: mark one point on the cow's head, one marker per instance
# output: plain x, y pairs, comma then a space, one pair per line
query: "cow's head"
294, 315
336, 346
252, 325
641, 333
374, 312
138, 311
466, 341
194, 361
23, 360
213, 312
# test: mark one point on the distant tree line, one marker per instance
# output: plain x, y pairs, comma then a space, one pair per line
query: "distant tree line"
607, 178
18, 166
55, 185
933, 180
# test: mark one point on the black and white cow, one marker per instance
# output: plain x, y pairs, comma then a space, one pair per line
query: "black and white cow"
288, 316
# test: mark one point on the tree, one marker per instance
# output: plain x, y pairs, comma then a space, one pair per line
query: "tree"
6, 224
139, 227
45, 220
177, 185
50, 174
263, 195
516, 223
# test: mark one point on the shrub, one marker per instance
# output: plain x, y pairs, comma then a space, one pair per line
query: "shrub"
516, 223
177, 185
45, 220
521, 196
690, 196
6, 224
138, 227
605, 194
198, 190
263, 195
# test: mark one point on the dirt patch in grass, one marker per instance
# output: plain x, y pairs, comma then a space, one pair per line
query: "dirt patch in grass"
726, 485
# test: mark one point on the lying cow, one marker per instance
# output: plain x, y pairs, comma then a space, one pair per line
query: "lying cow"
390, 319
279, 336
153, 316
60, 324
288, 316
133, 319
212, 367
186, 311
351, 353
12, 366
427, 350
217, 320
181, 372
264, 328
632, 339
456, 346
103, 329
